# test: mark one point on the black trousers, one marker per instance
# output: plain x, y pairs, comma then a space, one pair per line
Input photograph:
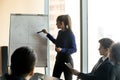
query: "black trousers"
60, 67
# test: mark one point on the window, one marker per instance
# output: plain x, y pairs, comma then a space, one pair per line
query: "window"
103, 21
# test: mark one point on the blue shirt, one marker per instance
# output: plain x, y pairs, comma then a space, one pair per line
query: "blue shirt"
64, 40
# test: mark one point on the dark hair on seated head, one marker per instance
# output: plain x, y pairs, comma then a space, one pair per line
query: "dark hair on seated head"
115, 52
106, 42
22, 61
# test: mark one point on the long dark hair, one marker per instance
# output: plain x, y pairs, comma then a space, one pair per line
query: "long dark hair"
66, 20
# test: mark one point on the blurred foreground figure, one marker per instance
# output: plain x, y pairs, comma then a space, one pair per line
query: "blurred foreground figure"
115, 58
22, 66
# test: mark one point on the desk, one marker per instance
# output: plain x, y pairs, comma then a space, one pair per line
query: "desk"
39, 76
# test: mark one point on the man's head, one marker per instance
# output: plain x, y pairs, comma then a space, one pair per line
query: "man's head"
105, 44
22, 61
115, 53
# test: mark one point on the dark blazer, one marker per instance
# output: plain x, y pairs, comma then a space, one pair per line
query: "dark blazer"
115, 73
101, 73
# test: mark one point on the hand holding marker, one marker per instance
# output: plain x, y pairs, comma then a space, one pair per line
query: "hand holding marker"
39, 32
43, 30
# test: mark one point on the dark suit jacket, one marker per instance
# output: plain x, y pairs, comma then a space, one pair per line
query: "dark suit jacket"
115, 73
101, 73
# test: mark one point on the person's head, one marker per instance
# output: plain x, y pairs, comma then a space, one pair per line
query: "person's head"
63, 22
23, 62
115, 53
105, 44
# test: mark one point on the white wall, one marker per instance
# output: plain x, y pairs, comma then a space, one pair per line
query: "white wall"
16, 6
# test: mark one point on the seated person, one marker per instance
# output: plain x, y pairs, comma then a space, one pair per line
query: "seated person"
101, 70
22, 66
115, 58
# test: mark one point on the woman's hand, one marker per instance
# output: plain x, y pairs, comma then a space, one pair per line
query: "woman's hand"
58, 49
44, 31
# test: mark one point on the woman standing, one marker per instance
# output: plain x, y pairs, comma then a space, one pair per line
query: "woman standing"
65, 45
